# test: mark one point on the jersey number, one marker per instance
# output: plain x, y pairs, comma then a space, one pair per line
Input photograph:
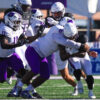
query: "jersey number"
15, 39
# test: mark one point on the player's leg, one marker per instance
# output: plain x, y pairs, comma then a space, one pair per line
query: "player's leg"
34, 62
3, 70
17, 65
63, 68
87, 67
44, 75
75, 64
10, 73
67, 77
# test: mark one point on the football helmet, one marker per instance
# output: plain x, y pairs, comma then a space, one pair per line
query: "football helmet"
36, 13
70, 29
57, 10
13, 20
24, 6
36, 16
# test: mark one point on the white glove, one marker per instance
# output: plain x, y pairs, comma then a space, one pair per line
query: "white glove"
52, 21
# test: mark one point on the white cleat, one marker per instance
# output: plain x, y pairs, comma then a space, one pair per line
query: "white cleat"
9, 80
75, 93
91, 95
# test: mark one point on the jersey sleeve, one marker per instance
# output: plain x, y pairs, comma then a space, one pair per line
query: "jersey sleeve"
60, 39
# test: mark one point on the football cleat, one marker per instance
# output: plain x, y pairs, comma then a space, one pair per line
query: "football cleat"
17, 92
10, 94
25, 94
75, 93
91, 95
36, 95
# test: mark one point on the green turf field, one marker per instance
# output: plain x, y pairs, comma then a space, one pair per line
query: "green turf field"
54, 89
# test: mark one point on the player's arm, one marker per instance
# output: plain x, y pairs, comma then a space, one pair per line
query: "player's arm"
65, 55
62, 52
5, 43
79, 54
59, 39
30, 39
39, 33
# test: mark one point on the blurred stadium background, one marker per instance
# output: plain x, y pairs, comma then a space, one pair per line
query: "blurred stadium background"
87, 18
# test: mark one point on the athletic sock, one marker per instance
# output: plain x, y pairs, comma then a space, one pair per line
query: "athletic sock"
20, 84
29, 88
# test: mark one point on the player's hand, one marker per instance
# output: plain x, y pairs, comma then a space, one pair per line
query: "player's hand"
22, 40
22, 36
40, 30
93, 54
51, 21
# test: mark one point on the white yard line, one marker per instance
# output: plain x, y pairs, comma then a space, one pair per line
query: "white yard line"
60, 77
57, 85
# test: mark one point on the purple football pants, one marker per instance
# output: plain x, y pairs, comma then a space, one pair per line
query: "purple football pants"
14, 62
38, 65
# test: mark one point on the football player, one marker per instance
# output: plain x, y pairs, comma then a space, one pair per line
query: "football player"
10, 32
42, 48
79, 63
24, 8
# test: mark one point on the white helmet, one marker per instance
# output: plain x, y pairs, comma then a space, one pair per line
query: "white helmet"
24, 6
70, 29
13, 20
36, 13
58, 8
25, 2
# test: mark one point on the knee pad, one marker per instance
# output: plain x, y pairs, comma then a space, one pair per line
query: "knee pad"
10, 72
77, 74
21, 73
90, 81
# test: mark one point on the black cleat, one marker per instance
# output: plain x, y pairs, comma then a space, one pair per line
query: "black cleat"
36, 95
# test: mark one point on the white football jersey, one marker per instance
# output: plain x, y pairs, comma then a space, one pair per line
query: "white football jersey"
12, 38
32, 30
48, 44
71, 50
60, 64
82, 63
25, 25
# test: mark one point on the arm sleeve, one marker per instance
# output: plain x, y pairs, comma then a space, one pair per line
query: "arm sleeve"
60, 39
